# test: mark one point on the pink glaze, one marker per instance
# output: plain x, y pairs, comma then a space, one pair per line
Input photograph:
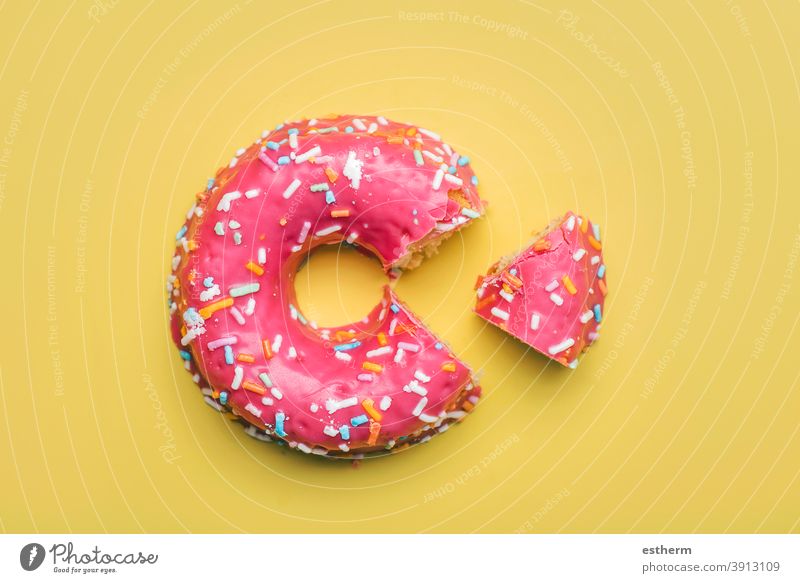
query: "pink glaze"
544, 311
282, 211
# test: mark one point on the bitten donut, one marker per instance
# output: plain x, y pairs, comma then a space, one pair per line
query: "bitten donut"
550, 295
392, 190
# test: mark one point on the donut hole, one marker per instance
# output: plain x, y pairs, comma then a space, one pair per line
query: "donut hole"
337, 285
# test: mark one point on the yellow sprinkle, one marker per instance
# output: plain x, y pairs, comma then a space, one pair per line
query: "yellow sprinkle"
191, 244
206, 311
242, 357
283, 221
584, 224
449, 367
595, 243
569, 285
255, 268
366, 365
411, 131
369, 407
382, 339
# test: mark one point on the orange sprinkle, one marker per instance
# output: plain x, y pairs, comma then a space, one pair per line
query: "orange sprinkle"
243, 357
513, 280
206, 311
602, 285
400, 328
485, 302
261, 237
569, 285
478, 282
395, 139
215, 394
340, 213
191, 244
344, 335
255, 268
283, 221
411, 131
382, 339
595, 243
267, 348
449, 367
374, 430
331, 174
369, 407
366, 365
584, 224
541, 245
254, 388
507, 288
467, 406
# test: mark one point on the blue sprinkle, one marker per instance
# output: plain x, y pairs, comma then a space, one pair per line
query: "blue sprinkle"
237, 238
394, 308
272, 145
596, 230
279, 126
283, 160
601, 271
348, 346
451, 169
280, 417
574, 364
463, 160
438, 346
344, 431
348, 130
360, 420
228, 355
329, 198
223, 397
185, 355
181, 233
414, 212
513, 271
210, 184
293, 131
598, 316
266, 380
474, 180
208, 282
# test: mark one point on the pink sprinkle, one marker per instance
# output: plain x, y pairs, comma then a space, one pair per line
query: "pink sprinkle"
365, 377
220, 342
409, 347
266, 160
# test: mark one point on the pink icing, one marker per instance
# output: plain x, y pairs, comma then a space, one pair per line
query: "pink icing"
282, 211
542, 311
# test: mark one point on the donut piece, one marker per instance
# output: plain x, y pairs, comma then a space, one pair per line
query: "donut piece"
550, 295
390, 189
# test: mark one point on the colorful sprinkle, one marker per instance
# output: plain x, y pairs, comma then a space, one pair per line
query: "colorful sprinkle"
228, 354
449, 367
569, 285
280, 417
359, 420
348, 346
253, 388
220, 342
561, 346
265, 379
344, 431
243, 290
369, 407
366, 365
255, 268
598, 315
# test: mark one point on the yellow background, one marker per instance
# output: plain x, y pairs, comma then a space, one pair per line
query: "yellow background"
672, 124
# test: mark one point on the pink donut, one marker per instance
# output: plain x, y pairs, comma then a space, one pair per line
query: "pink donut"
550, 295
392, 190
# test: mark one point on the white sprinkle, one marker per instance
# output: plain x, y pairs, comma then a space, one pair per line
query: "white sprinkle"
379, 351
238, 373
420, 406
250, 307
506, 296
212, 403
293, 141
301, 238
237, 315
570, 224
382, 121
447, 149
392, 326
427, 419
498, 313
432, 156
437, 179
328, 231
578, 255
315, 151
586, 316
240, 151
313, 407
267, 401
414, 387
385, 403
595, 260
359, 125
366, 377
276, 393
333, 406
304, 448
343, 356
210, 293
376, 151
352, 169
421, 376
453, 179
224, 203
551, 286
535, 318
561, 346
398, 356
557, 299
276, 345
408, 346
262, 255
291, 188
372, 127
233, 163
344, 447
330, 431
296, 248
253, 409
292, 352
430, 134
352, 237
252, 193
